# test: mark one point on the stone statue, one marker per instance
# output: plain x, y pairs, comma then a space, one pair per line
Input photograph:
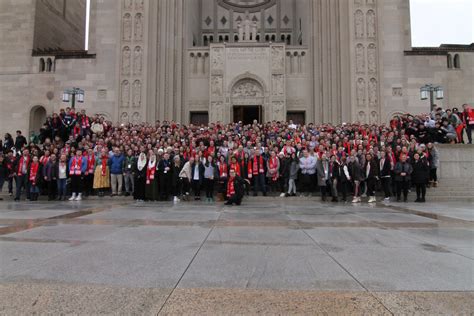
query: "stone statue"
370, 24
362, 117
138, 27
373, 92
247, 30
371, 58
216, 85
241, 31
373, 117
126, 60
360, 58
360, 91
359, 24
139, 4
127, 4
125, 94
137, 93
136, 118
137, 61
127, 27
216, 61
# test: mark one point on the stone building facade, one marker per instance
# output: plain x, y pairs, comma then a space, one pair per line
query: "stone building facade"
222, 60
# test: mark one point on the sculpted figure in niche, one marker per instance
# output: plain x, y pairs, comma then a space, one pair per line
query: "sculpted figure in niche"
127, 27
362, 117
138, 27
125, 94
246, 89
137, 93
277, 58
247, 30
124, 117
373, 92
360, 91
371, 58
370, 24
373, 117
127, 4
278, 85
359, 24
139, 4
137, 60
217, 59
216, 86
360, 60
136, 118
126, 60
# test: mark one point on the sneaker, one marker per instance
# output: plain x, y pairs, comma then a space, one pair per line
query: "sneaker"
73, 197
79, 197
176, 200
372, 199
386, 200
282, 195
355, 200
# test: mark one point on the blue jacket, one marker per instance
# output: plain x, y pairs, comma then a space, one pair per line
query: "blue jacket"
116, 164
83, 164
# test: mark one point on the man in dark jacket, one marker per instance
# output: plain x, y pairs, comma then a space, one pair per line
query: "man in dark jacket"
420, 176
371, 170
284, 172
235, 188
403, 171
20, 141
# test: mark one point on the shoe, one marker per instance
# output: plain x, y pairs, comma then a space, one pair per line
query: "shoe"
422, 200
255, 194
73, 197
227, 203
355, 200
334, 199
417, 200
386, 200
435, 184
363, 195
16, 200
282, 195
10, 194
176, 200
79, 197
372, 199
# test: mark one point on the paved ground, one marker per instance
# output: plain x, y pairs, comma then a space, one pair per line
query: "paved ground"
269, 256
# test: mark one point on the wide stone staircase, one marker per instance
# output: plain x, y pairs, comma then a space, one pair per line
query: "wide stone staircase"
452, 189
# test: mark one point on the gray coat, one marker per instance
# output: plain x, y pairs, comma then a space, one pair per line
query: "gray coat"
320, 171
294, 168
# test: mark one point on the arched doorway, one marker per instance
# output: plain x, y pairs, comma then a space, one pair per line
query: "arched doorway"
37, 118
247, 97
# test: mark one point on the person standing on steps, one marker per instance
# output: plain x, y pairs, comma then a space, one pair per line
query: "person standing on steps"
403, 171
77, 169
420, 176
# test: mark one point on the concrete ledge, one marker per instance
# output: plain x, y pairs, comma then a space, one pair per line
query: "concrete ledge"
456, 161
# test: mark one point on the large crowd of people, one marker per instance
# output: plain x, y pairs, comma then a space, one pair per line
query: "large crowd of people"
75, 156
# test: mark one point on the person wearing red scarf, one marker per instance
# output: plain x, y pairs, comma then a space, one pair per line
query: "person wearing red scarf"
235, 165
257, 165
273, 167
21, 173
77, 168
33, 178
235, 188
101, 173
89, 174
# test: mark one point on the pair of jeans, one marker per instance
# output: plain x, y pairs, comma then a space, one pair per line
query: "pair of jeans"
22, 183
259, 180
291, 186
129, 182
116, 183
62, 187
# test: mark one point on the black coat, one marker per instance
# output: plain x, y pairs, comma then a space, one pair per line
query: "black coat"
374, 169
386, 169
421, 172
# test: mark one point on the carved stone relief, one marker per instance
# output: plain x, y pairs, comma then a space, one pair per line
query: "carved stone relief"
217, 58
247, 88
278, 61
136, 118
138, 27
127, 27
360, 91
124, 117
126, 61
372, 58
359, 24
277, 85
125, 99
127, 4
373, 92
217, 113
278, 111
137, 61
216, 86
371, 33
397, 92
360, 58
374, 117
137, 93
139, 4
362, 118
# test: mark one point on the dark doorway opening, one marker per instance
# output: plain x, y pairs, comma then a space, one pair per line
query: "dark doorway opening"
199, 118
247, 114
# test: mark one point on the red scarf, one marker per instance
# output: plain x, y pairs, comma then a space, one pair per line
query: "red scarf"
236, 167
222, 170
76, 166
85, 122
104, 160
76, 131
256, 170
91, 163
20, 165
150, 173
33, 172
273, 163
230, 187
44, 160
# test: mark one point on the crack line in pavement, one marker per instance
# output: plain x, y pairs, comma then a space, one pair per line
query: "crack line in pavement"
347, 271
189, 264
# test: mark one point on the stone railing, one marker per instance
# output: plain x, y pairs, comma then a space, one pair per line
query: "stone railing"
198, 62
296, 61
456, 161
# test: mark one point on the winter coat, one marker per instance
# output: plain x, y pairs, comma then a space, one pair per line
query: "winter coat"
421, 172
294, 168
403, 168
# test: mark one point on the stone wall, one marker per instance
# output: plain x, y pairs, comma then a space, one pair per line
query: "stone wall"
60, 24
456, 162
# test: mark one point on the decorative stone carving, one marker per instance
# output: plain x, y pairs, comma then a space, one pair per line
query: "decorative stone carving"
124, 117
247, 88
278, 57
373, 92
359, 24
138, 4
360, 92
217, 112
138, 27
137, 93
126, 61
217, 58
397, 92
362, 117
125, 97
216, 86
137, 60
247, 30
358, 2
360, 58
370, 2
278, 110
127, 4
374, 117
371, 33
372, 58
136, 118
127, 27
277, 85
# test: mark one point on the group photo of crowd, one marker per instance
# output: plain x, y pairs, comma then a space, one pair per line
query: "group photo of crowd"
75, 156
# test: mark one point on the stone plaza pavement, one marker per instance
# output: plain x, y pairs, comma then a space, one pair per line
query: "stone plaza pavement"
268, 256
